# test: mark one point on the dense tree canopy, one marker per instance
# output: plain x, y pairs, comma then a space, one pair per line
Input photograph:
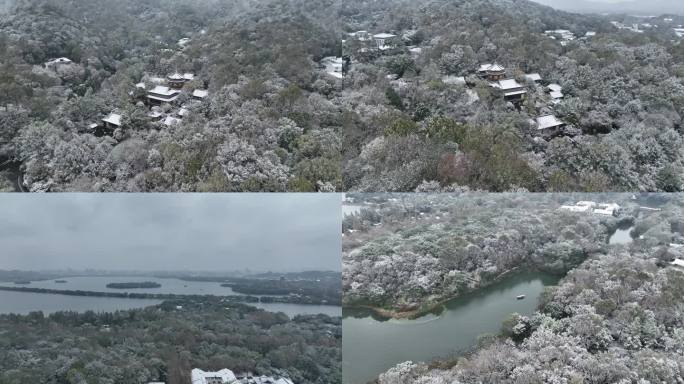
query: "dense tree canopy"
163, 343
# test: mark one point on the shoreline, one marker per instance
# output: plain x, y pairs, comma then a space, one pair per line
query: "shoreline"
245, 299
428, 308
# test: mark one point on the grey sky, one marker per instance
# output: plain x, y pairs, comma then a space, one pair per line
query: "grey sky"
221, 232
652, 7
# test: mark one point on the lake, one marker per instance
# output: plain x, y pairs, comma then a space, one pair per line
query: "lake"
371, 346
99, 284
24, 302
621, 235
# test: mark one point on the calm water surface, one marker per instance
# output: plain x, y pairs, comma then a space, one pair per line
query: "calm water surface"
99, 284
621, 236
24, 302
371, 346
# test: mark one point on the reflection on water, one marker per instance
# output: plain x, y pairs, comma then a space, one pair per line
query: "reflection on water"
621, 236
371, 344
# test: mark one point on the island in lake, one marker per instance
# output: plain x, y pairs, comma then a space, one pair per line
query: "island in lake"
22, 282
134, 285
60, 281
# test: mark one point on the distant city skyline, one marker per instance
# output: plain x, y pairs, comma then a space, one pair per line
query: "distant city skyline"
174, 232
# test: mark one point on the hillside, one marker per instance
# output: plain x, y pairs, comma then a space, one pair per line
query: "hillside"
420, 117
279, 110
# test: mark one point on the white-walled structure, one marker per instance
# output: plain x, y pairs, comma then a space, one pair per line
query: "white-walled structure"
224, 376
608, 209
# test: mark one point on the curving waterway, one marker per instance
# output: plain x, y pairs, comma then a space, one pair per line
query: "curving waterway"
372, 345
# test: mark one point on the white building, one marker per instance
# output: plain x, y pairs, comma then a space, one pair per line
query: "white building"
549, 124
415, 51
200, 94
512, 90
170, 120
608, 209
556, 93
383, 41
361, 35
161, 94
563, 34
224, 376
113, 120
249, 379
678, 263
56, 63
535, 77
492, 72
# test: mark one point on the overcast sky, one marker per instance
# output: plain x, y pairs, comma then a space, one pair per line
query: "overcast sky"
198, 232
618, 6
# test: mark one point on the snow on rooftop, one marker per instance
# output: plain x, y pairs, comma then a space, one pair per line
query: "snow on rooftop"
491, 68
113, 118
555, 87
176, 76
188, 76
384, 36
59, 60
200, 93
574, 208
556, 95
508, 84
199, 376
678, 263
169, 121
162, 90
548, 121
453, 80
608, 209
534, 76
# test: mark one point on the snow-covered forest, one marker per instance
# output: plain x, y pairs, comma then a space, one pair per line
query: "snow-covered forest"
422, 119
164, 343
267, 100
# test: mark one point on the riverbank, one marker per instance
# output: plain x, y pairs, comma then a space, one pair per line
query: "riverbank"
428, 308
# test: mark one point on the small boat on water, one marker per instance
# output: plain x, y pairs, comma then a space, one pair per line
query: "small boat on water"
520, 297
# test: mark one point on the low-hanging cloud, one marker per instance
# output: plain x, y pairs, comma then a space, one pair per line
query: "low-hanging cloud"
171, 232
